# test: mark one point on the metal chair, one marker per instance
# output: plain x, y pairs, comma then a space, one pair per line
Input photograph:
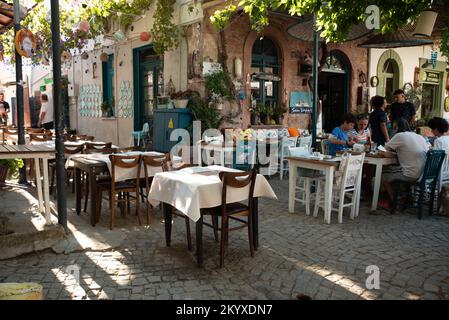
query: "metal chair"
426, 184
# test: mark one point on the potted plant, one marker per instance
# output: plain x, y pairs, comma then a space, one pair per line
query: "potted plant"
256, 111
269, 111
105, 109
9, 168
180, 99
278, 113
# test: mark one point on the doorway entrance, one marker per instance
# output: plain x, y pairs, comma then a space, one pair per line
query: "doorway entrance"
333, 90
148, 84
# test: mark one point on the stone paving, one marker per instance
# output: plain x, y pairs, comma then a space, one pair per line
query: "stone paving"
297, 255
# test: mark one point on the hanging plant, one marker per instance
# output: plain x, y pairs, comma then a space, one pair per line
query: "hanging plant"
164, 31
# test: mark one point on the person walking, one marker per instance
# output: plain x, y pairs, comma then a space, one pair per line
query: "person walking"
402, 108
46, 117
4, 109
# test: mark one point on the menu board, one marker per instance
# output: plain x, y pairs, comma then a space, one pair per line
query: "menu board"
433, 77
300, 102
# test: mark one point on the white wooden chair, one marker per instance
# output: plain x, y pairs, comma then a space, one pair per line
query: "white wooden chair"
286, 143
305, 142
306, 177
347, 180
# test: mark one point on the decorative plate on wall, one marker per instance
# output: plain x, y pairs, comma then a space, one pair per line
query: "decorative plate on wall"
446, 104
374, 81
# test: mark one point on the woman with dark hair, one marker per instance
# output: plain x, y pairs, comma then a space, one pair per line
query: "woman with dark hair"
378, 121
440, 129
411, 149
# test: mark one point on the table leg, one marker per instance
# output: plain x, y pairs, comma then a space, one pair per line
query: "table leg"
328, 194
46, 191
94, 215
255, 217
78, 190
167, 209
200, 162
199, 242
292, 176
38, 183
377, 179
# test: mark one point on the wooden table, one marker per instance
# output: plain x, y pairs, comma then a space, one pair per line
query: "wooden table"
379, 162
92, 167
324, 165
37, 153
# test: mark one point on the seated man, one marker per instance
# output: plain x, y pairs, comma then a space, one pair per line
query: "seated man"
411, 151
440, 129
340, 138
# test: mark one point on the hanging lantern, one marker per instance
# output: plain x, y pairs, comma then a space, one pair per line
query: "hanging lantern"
425, 23
84, 26
84, 56
145, 36
104, 57
119, 35
25, 43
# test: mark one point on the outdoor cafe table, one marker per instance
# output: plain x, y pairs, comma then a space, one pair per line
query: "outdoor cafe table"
93, 165
328, 166
37, 153
191, 189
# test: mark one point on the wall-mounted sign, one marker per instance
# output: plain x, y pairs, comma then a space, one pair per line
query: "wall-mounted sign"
432, 77
25, 43
48, 81
211, 67
42, 88
300, 102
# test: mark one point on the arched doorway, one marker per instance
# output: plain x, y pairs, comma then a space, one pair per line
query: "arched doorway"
265, 72
389, 72
333, 89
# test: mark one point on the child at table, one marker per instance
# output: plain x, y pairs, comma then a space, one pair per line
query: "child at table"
361, 133
340, 139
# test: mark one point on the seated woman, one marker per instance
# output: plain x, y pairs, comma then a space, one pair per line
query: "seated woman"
340, 138
361, 133
440, 129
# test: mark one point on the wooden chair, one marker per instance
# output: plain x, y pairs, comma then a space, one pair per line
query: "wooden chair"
40, 137
68, 150
122, 188
233, 211
98, 146
9, 132
89, 138
102, 151
34, 130
129, 149
347, 180
286, 142
428, 182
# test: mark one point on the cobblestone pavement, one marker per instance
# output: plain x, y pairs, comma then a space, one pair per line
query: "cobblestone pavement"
297, 255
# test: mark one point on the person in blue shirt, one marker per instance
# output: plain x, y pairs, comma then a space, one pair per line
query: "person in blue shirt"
340, 138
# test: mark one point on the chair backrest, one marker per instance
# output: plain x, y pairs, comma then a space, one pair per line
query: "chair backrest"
245, 154
325, 146
89, 138
129, 149
286, 144
352, 168
444, 175
101, 151
155, 162
125, 162
146, 127
298, 151
34, 130
305, 142
237, 180
434, 162
98, 146
73, 149
39, 137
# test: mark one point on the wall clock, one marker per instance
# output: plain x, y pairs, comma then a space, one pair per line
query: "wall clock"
374, 81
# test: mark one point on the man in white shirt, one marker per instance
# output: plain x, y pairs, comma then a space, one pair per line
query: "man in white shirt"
46, 117
411, 149
440, 129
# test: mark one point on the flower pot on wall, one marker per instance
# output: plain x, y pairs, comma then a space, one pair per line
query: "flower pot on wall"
181, 103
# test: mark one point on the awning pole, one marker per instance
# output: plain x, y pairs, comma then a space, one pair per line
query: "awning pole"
315, 81
59, 114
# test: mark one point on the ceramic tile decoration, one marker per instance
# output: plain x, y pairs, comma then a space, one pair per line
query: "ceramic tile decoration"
125, 106
89, 101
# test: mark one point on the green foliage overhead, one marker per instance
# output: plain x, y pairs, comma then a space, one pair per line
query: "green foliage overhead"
334, 17
164, 31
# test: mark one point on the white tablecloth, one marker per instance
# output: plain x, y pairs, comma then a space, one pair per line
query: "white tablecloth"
188, 190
